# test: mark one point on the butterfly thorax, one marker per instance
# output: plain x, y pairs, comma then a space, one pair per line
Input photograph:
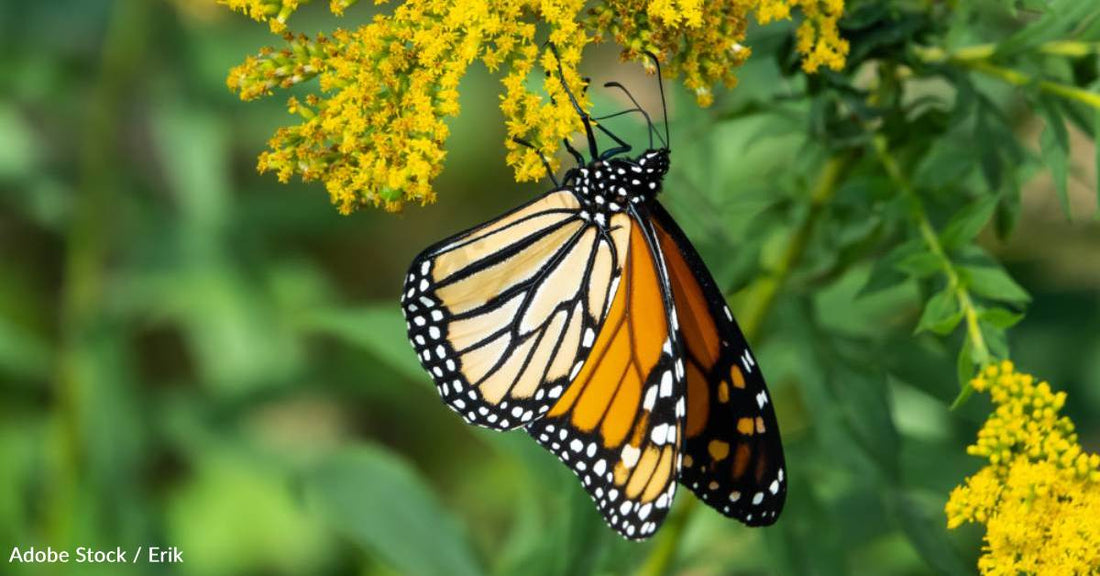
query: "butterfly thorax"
608, 186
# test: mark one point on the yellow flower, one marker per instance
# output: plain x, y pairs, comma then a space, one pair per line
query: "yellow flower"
1039, 496
374, 129
818, 37
274, 12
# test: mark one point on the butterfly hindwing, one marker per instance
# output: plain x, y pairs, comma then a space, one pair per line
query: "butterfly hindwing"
619, 424
503, 315
733, 457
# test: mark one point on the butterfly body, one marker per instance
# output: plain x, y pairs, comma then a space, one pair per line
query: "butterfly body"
612, 185
587, 318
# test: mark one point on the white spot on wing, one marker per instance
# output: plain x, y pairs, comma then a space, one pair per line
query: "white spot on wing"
658, 434
666, 384
630, 456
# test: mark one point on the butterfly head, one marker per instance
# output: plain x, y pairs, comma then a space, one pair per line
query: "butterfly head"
657, 160
649, 168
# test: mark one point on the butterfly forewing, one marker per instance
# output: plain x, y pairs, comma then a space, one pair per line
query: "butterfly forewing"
618, 426
503, 315
733, 457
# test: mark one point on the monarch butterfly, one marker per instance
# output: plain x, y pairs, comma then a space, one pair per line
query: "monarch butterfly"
587, 318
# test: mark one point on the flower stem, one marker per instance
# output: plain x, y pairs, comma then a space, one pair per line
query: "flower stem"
763, 295
932, 242
978, 58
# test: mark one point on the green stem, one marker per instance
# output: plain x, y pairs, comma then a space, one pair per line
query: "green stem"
668, 543
928, 234
978, 58
767, 288
763, 297
1066, 48
86, 254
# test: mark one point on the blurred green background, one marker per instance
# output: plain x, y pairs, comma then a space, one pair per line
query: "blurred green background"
193, 355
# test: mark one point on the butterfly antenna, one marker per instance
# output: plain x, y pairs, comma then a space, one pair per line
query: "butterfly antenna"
592, 148
545, 162
637, 108
661, 87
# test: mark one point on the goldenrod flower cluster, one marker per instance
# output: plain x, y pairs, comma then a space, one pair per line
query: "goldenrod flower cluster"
1039, 496
702, 40
374, 129
818, 37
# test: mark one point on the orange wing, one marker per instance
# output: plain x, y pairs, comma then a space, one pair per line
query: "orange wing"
733, 456
618, 425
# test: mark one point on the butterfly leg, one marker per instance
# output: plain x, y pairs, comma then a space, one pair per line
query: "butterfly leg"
593, 150
622, 147
545, 162
576, 155
569, 146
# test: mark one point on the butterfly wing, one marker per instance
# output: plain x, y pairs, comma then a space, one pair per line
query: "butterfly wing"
618, 425
503, 315
733, 457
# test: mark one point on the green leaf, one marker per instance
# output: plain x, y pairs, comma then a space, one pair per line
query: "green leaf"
377, 328
994, 283
922, 521
22, 152
23, 354
378, 501
198, 175
1061, 16
964, 371
988, 144
863, 396
1009, 207
1033, 5
1002, 160
1000, 318
1054, 145
884, 272
941, 313
947, 162
587, 534
965, 100
966, 225
920, 264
